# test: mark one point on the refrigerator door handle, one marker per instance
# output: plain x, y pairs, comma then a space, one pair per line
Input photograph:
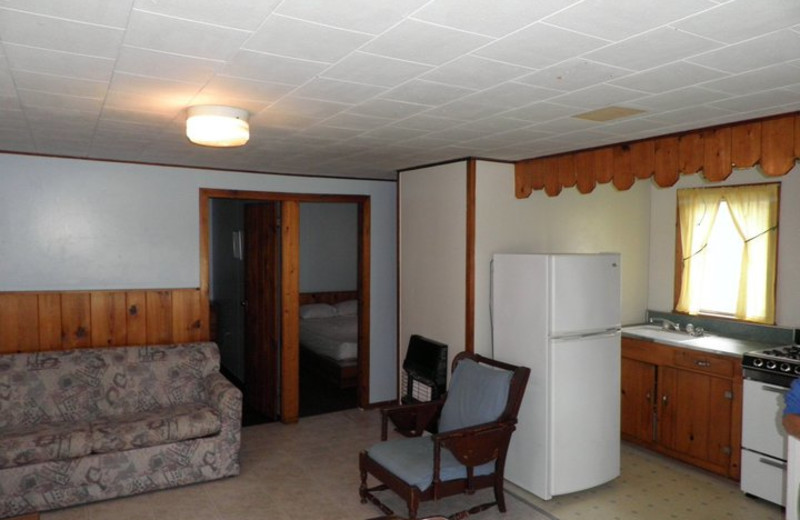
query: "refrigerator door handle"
598, 334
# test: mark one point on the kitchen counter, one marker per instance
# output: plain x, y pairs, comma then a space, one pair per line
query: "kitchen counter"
708, 342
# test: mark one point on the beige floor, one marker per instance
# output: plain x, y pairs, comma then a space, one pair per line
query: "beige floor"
309, 471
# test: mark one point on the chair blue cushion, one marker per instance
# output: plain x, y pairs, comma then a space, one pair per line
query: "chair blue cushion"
478, 394
411, 459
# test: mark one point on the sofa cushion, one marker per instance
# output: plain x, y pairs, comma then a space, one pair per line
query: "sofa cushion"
43, 443
154, 427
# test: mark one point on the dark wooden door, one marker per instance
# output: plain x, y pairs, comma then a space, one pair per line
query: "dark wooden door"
638, 391
263, 305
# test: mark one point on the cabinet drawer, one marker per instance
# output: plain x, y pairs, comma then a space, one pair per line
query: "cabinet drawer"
704, 362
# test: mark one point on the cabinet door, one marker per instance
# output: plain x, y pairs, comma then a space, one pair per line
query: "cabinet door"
638, 390
695, 413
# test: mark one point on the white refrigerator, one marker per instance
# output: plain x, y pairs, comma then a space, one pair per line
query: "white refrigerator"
560, 316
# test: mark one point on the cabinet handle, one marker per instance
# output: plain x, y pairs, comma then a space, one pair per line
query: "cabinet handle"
648, 397
702, 363
664, 400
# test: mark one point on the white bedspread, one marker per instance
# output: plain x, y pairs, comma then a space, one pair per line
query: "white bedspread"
335, 337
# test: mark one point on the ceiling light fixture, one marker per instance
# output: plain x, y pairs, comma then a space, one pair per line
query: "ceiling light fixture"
216, 125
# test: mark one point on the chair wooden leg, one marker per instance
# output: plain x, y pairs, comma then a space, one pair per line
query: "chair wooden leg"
499, 495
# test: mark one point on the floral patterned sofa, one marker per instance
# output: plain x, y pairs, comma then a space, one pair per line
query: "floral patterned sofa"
91, 424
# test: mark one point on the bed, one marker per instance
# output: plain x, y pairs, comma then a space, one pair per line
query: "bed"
329, 336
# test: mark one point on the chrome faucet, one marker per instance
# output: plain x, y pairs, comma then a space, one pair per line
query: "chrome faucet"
667, 324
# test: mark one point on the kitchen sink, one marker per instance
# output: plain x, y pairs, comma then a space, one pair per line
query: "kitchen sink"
657, 333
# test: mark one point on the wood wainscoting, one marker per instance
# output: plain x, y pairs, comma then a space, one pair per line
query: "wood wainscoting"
33, 321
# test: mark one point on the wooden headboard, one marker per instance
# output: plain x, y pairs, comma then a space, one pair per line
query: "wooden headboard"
329, 297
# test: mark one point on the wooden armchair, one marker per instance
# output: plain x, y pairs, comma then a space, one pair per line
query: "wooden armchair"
474, 421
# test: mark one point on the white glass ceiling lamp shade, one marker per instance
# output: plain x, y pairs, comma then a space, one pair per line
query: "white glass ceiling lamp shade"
216, 125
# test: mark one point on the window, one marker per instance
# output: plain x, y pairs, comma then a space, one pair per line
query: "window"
728, 240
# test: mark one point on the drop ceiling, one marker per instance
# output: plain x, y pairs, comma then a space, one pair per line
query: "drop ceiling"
363, 88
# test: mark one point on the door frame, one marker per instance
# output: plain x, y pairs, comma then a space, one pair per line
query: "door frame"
290, 388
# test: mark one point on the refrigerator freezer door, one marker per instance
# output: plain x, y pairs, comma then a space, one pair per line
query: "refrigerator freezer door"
585, 293
585, 408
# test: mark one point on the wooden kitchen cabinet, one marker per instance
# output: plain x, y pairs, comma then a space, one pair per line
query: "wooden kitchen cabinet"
683, 403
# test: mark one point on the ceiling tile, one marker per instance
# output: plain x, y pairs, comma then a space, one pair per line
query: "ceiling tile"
374, 70
542, 112
427, 123
393, 133
59, 63
497, 18
652, 49
338, 91
356, 121
167, 66
495, 124
464, 110
678, 99
266, 67
598, 96
57, 34
59, 84
299, 39
34, 98
313, 108
331, 132
369, 16
757, 80
564, 125
539, 46
166, 34
759, 100
98, 12
573, 74
510, 95
426, 92
241, 14
741, 20
675, 75
474, 72
424, 43
616, 20
753, 54
387, 108
690, 115
163, 94
241, 88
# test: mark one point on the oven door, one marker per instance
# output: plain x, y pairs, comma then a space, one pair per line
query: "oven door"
763, 441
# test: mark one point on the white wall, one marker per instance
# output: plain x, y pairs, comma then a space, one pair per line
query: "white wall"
328, 246
433, 255
662, 243
71, 224
605, 220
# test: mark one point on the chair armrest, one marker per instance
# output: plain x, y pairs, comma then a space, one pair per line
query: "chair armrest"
224, 397
410, 420
476, 445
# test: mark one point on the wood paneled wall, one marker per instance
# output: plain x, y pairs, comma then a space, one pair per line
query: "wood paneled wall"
32, 321
772, 143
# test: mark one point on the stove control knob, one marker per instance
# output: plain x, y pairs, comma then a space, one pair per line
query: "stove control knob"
797, 370
785, 367
758, 362
771, 365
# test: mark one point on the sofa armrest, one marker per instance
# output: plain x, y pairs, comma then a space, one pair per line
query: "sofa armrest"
224, 397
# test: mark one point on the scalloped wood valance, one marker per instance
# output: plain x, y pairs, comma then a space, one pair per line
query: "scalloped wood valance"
772, 143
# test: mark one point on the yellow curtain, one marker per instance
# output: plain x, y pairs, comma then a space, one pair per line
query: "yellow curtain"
697, 209
755, 214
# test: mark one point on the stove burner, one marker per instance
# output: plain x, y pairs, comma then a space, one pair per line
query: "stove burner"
778, 365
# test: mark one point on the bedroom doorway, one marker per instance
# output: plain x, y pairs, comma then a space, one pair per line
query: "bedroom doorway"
286, 292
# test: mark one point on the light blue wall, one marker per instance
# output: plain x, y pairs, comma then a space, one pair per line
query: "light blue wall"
328, 247
68, 224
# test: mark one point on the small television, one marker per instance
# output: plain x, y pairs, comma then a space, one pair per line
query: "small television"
424, 370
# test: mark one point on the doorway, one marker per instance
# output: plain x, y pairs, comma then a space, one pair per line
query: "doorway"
278, 335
